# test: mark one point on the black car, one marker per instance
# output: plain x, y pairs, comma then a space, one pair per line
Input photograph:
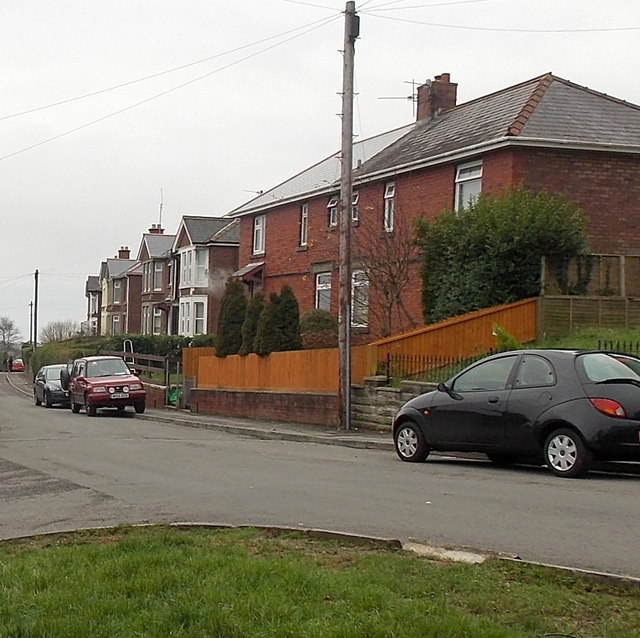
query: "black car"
562, 408
47, 388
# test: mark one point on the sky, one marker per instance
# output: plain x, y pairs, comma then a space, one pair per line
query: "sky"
121, 114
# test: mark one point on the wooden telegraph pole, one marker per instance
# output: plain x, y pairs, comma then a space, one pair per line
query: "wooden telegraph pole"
351, 32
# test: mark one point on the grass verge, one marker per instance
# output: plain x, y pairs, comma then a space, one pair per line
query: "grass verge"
161, 581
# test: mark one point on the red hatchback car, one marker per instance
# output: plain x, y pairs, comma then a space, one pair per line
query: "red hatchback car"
17, 365
102, 382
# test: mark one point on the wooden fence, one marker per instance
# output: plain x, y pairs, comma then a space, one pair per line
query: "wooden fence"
466, 336
298, 370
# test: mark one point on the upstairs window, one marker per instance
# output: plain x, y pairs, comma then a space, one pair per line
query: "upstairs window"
193, 268
389, 206
258, 234
468, 184
332, 205
146, 276
201, 266
157, 275
304, 224
354, 206
117, 291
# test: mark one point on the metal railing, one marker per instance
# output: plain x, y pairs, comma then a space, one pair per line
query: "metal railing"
617, 345
419, 367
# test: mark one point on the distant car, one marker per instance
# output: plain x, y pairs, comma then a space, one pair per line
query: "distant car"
102, 382
47, 387
17, 365
563, 408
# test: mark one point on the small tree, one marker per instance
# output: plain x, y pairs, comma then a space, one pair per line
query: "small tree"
9, 334
318, 329
250, 324
289, 320
269, 336
233, 308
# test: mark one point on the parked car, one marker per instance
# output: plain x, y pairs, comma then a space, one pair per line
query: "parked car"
16, 365
47, 387
102, 382
563, 408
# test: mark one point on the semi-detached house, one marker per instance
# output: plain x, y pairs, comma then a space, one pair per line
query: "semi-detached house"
547, 134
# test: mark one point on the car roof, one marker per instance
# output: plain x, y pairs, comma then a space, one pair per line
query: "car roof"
99, 358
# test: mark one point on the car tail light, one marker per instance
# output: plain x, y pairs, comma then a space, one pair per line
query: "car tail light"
608, 407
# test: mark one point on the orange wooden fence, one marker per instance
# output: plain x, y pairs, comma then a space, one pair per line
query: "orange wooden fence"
465, 336
190, 358
298, 370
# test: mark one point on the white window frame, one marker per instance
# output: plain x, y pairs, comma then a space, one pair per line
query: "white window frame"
466, 175
145, 276
186, 267
156, 319
190, 323
201, 266
359, 287
115, 325
304, 224
332, 205
323, 291
145, 320
158, 272
355, 196
389, 206
117, 291
259, 226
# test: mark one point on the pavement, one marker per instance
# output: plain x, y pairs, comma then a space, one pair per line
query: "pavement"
259, 429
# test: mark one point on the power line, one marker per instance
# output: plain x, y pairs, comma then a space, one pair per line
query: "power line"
318, 24
380, 7
499, 29
161, 73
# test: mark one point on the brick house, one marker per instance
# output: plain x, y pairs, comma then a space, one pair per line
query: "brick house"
205, 254
93, 293
546, 133
120, 294
155, 259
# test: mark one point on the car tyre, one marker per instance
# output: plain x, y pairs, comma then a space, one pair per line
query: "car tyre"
47, 400
409, 443
566, 454
88, 408
139, 408
36, 400
75, 407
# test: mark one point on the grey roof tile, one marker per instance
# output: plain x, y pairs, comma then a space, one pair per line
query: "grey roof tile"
158, 246
201, 229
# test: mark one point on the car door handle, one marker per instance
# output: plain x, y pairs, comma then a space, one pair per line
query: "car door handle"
493, 399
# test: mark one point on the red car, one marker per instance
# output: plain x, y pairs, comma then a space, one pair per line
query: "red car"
102, 382
17, 365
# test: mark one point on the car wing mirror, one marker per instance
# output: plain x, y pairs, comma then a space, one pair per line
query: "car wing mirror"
443, 387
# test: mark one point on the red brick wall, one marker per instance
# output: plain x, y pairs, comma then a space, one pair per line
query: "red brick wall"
310, 408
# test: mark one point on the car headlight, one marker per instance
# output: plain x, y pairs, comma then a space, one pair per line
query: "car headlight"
99, 388
135, 386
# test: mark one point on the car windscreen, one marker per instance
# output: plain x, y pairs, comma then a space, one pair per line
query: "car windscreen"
599, 367
107, 368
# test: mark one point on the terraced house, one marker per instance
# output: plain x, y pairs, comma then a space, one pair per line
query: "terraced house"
546, 133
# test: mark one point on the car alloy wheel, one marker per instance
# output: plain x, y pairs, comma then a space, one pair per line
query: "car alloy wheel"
409, 443
566, 454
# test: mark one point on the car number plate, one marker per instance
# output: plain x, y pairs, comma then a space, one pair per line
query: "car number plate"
120, 395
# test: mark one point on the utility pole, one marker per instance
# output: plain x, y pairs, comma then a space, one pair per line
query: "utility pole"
35, 312
351, 32
31, 324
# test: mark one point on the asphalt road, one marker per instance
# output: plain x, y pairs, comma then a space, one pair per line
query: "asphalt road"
61, 471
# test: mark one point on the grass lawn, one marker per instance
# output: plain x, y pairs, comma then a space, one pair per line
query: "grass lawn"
161, 581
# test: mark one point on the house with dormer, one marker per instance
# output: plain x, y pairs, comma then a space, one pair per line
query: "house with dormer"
205, 254
547, 134
156, 263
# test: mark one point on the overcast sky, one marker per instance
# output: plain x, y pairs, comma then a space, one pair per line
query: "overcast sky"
264, 110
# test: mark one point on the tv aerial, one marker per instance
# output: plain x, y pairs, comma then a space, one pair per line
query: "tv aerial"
413, 98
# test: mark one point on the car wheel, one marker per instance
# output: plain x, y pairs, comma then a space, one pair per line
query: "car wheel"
75, 407
88, 408
36, 400
409, 443
47, 400
566, 454
139, 408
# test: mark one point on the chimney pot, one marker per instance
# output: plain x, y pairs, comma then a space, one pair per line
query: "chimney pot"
123, 253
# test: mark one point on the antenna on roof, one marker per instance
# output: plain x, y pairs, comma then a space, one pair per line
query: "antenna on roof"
161, 206
413, 98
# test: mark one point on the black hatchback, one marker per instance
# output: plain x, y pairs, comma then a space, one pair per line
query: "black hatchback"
47, 388
563, 408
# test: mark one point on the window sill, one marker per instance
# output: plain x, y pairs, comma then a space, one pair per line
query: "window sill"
301, 249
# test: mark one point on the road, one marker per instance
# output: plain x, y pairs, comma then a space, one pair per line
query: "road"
60, 471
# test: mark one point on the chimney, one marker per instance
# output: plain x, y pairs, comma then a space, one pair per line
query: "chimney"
156, 229
123, 253
435, 96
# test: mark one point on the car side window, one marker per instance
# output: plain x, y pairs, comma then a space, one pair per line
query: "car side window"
534, 371
490, 375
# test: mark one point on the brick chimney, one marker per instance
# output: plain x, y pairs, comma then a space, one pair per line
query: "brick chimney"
123, 253
156, 229
435, 96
